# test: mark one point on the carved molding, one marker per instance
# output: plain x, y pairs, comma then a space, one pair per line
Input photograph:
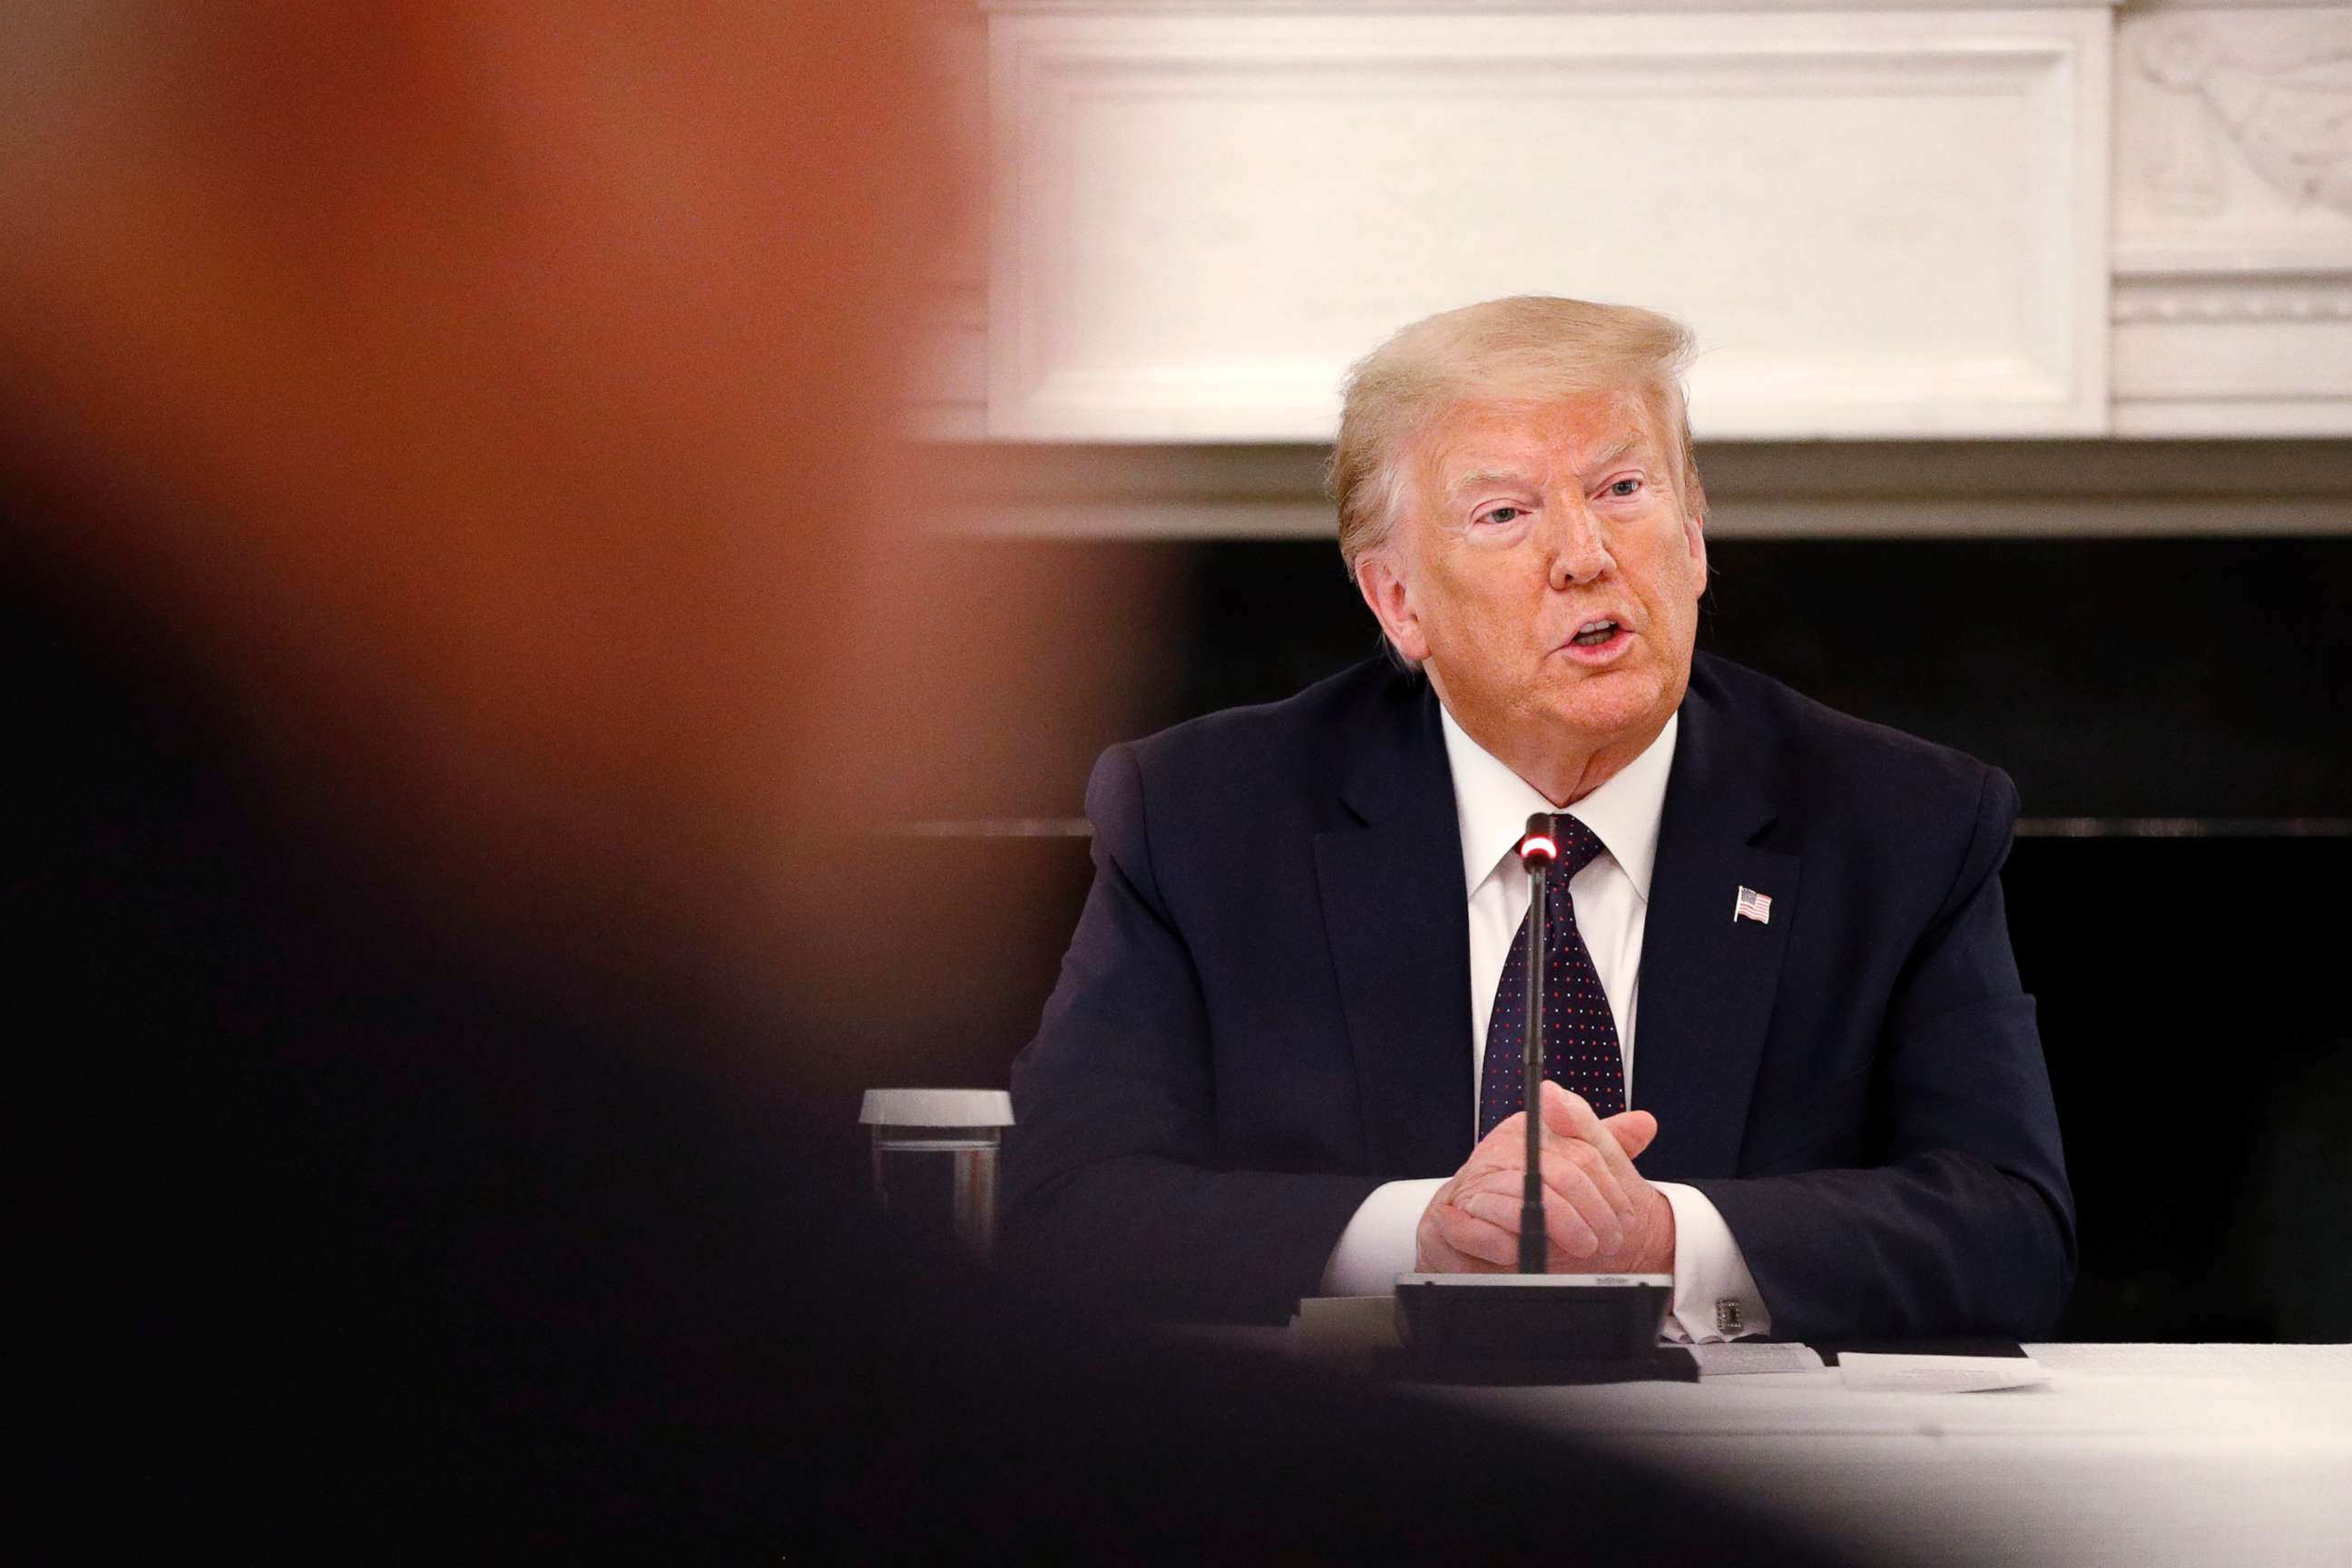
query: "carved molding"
2233, 355
2181, 298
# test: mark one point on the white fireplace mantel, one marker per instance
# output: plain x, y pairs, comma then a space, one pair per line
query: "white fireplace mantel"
1885, 220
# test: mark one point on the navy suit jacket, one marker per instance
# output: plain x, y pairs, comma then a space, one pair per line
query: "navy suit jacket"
1265, 1013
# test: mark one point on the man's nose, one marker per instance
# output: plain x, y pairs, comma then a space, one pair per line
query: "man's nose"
1579, 553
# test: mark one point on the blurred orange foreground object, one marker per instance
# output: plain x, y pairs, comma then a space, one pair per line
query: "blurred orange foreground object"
498, 399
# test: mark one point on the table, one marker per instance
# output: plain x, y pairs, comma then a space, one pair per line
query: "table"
2131, 1454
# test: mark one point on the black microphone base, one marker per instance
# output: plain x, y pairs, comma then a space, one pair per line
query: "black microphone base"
1553, 1318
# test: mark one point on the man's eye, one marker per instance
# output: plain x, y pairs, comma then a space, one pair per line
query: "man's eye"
1622, 488
1502, 514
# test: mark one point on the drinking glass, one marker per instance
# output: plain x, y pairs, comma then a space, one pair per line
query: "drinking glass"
935, 1156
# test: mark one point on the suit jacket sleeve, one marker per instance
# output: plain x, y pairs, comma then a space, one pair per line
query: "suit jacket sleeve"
1963, 1222
1116, 1199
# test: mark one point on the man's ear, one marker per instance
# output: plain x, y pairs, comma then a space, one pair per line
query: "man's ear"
1383, 588
1695, 540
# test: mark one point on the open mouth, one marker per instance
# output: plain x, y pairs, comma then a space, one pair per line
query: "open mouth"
1592, 634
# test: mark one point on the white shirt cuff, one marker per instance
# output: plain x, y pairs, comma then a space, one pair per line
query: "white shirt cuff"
1379, 1242
1709, 1271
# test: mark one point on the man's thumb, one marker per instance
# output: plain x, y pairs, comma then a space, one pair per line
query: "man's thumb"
1633, 1130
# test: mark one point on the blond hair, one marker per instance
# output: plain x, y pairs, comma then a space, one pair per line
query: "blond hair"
1527, 348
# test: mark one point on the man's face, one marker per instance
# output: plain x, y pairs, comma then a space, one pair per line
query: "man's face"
1526, 524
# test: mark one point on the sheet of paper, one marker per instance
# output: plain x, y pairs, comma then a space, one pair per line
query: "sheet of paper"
2236, 1364
1738, 1358
1938, 1373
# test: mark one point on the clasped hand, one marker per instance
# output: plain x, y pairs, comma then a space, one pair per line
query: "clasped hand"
1601, 1215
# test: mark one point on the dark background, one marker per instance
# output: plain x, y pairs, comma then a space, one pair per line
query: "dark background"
2175, 713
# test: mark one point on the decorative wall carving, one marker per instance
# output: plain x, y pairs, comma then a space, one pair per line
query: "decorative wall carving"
2280, 92
2233, 249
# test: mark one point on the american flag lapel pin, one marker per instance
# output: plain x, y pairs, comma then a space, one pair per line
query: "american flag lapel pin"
1752, 905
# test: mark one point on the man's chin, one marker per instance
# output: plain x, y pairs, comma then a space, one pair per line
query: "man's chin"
1603, 701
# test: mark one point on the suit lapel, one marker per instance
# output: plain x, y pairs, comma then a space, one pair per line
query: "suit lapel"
1708, 980
1399, 927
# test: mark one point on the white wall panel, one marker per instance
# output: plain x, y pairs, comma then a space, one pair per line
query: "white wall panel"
1883, 224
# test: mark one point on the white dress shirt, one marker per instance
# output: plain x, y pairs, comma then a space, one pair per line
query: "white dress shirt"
1611, 898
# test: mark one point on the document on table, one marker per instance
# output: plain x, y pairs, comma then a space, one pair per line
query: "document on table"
1738, 1358
1937, 1373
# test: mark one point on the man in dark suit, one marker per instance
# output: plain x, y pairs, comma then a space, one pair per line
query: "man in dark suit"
1279, 1058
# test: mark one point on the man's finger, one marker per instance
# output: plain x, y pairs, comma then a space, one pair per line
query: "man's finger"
1433, 1254
1599, 1149
1633, 1129
1565, 1229
1577, 1172
1502, 1149
1565, 1180
1570, 1117
1571, 1112
1590, 1163
1578, 1169
1574, 1169
1617, 1154
1472, 1237
1566, 1113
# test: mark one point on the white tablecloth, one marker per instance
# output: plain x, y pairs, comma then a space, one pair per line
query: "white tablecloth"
2131, 1454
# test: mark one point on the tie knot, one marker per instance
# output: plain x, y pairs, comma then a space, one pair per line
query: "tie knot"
1577, 844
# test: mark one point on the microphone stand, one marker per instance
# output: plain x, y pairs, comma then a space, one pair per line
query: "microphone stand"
1538, 850
1535, 1326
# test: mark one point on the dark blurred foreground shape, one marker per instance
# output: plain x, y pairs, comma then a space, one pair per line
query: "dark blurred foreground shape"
448, 559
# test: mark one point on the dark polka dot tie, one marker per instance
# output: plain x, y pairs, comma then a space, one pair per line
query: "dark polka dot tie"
1579, 1034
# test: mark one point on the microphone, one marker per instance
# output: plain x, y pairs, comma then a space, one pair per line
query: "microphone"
1538, 850
1532, 1325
